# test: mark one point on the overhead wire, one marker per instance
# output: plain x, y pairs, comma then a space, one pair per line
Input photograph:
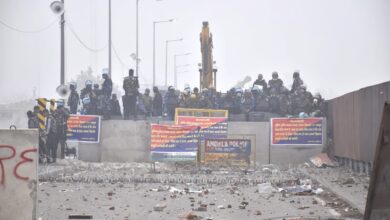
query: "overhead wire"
29, 31
69, 26
117, 55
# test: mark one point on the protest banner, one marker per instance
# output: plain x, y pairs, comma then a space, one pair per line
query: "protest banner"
211, 127
84, 128
232, 152
297, 131
174, 142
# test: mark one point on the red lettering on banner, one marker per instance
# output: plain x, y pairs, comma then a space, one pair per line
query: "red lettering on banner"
25, 160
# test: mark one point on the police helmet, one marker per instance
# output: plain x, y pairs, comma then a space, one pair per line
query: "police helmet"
88, 83
238, 90
255, 89
317, 95
187, 89
60, 103
73, 84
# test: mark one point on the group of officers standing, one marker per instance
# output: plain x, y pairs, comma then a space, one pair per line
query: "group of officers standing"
96, 101
271, 96
53, 132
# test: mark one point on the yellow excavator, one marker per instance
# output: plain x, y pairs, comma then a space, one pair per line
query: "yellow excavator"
207, 69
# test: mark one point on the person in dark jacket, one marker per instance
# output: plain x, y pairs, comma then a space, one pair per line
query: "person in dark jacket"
131, 86
114, 106
170, 103
157, 102
106, 91
275, 83
298, 82
147, 103
261, 82
74, 99
32, 120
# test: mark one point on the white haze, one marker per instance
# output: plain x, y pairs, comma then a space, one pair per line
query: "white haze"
338, 45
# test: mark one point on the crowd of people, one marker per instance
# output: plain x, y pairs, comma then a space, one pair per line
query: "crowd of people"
54, 132
263, 96
271, 96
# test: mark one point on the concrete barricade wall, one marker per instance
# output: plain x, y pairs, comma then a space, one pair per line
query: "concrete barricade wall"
261, 132
293, 154
129, 141
18, 174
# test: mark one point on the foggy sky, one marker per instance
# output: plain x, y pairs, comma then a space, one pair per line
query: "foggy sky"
338, 45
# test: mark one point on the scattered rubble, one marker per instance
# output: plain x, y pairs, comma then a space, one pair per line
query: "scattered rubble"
159, 207
226, 194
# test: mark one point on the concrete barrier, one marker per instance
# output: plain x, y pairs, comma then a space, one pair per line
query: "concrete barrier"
129, 141
260, 130
18, 174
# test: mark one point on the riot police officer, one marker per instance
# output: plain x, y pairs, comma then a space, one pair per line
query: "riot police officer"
261, 82
131, 86
106, 91
298, 82
157, 102
275, 83
74, 99
170, 103
86, 97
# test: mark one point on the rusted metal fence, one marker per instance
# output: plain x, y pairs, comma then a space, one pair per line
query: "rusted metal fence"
354, 120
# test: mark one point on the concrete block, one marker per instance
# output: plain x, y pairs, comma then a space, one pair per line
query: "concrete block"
262, 137
125, 141
18, 183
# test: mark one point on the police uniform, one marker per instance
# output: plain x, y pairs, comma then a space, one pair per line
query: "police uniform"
130, 85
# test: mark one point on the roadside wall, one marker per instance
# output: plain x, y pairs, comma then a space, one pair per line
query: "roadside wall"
18, 174
354, 120
129, 141
258, 133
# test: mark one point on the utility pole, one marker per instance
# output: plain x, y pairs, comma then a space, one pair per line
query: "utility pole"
62, 46
136, 39
175, 66
154, 47
109, 38
166, 59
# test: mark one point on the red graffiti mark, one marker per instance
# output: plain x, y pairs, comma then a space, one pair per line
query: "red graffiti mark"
25, 160
2, 180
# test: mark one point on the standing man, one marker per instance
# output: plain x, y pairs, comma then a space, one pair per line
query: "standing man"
170, 103
261, 82
107, 90
131, 86
114, 106
157, 102
74, 99
86, 97
63, 115
275, 83
147, 102
298, 82
52, 131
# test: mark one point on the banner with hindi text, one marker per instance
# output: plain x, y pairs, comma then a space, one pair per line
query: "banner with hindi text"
297, 131
174, 142
84, 128
232, 152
